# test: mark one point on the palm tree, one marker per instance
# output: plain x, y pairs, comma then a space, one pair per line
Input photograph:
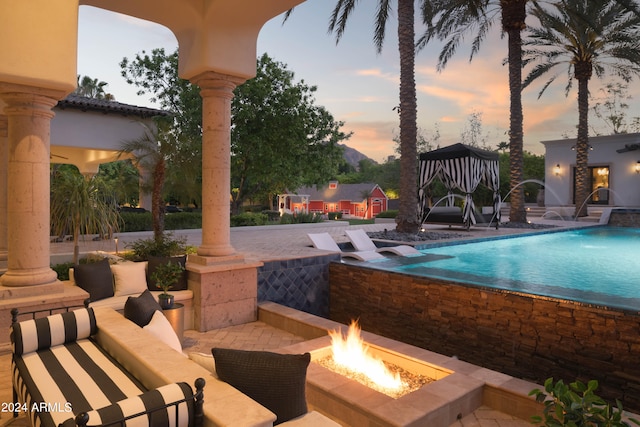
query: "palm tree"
79, 204
451, 20
151, 151
92, 88
586, 37
407, 219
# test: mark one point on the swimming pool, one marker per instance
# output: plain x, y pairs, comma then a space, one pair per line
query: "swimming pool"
595, 265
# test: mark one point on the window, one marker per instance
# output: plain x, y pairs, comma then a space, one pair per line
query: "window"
597, 183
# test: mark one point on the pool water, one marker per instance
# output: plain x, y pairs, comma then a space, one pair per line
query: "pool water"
596, 265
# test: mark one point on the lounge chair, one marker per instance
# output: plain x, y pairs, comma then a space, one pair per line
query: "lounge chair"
362, 242
325, 242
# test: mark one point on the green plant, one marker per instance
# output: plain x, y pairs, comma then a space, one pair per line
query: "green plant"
167, 275
388, 214
576, 405
166, 245
248, 219
334, 215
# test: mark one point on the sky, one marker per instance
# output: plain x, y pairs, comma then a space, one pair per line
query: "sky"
357, 85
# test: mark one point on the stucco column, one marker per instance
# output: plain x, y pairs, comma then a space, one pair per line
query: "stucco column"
29, 117
4, 159
216, 91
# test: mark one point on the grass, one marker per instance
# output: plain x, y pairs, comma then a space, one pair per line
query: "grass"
361, 221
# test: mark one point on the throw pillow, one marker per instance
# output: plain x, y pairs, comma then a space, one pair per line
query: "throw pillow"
130, 278
95, 278
276, 381
141, 309
155, 261
204, 360
160, 327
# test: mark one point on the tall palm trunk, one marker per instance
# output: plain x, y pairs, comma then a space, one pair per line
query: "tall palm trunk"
583, 73
407, 221
513, 22
157, 202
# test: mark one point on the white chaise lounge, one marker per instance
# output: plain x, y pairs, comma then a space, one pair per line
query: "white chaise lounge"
362, 242
325, 242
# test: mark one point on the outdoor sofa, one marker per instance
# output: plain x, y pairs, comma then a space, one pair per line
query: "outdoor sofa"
452, 216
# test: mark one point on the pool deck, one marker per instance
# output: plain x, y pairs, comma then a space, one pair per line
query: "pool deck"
267, 244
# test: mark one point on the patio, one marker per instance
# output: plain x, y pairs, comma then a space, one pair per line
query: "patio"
263, 244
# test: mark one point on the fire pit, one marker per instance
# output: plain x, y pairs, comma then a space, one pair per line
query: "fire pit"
437, 403
350, 356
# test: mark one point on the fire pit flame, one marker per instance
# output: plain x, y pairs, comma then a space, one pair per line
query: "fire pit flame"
353, 354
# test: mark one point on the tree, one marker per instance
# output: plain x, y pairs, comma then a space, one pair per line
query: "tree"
586, 37
156, 75
407, 219
92, 88
80, 205
451, 20
151, 152
280, 139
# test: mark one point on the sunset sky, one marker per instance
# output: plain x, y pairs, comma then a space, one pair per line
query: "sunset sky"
357, 85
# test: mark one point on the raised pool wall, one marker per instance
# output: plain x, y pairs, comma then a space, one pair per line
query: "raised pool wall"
624, 217
524, 336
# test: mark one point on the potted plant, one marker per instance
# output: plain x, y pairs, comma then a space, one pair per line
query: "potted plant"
165, 276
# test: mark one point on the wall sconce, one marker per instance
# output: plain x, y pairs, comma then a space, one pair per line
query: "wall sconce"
638, 167
556, 170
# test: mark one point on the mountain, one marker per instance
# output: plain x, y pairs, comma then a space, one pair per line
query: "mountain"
353, 156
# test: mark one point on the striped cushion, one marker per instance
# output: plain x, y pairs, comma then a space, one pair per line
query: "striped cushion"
79, 373
38, 334
154, 399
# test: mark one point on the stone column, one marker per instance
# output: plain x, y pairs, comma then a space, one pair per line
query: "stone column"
29, 115
216, 91
4, 160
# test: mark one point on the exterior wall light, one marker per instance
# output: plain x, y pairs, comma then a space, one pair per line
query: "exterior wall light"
556, 170
638, 167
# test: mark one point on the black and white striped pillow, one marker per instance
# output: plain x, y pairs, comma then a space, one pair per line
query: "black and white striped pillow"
153, 400
33, 335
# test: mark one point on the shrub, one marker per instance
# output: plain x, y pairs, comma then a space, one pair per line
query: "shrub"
576, 405
335, 215
388, 214
272, 216
166, 246
183, 221
136, 221
248, 219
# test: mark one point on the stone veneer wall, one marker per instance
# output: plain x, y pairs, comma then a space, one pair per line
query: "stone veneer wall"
532, 338
301, 283
625, 217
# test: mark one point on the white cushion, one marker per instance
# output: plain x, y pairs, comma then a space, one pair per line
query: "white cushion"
160, 327
130, 278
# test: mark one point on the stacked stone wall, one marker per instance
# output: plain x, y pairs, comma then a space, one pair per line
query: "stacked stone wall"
529, 337
625, 218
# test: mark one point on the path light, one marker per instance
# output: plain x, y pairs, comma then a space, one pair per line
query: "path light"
556, 170
115, 239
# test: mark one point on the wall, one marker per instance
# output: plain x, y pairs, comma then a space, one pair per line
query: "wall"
623, 178
301, 283
532, 338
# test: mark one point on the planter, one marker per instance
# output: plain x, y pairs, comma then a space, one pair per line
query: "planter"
166, 301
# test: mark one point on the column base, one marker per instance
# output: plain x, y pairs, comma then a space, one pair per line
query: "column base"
28, 278
225, 291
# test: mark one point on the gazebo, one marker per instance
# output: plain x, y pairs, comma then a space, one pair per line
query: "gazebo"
460, 167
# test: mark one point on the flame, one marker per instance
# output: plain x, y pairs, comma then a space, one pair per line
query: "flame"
353, 354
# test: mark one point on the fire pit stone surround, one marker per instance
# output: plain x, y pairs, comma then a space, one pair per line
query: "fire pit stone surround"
460, 387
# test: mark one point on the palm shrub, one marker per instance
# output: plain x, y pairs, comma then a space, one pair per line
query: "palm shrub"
79, 205
576, 405
164, 246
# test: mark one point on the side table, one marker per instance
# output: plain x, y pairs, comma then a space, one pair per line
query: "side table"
175, 316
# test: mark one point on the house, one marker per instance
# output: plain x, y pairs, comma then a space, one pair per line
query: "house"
364, 200
613, 177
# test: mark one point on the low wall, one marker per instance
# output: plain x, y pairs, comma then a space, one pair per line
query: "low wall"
625, 217
528, 337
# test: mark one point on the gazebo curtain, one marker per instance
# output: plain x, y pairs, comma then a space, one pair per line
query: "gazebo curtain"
460, 167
